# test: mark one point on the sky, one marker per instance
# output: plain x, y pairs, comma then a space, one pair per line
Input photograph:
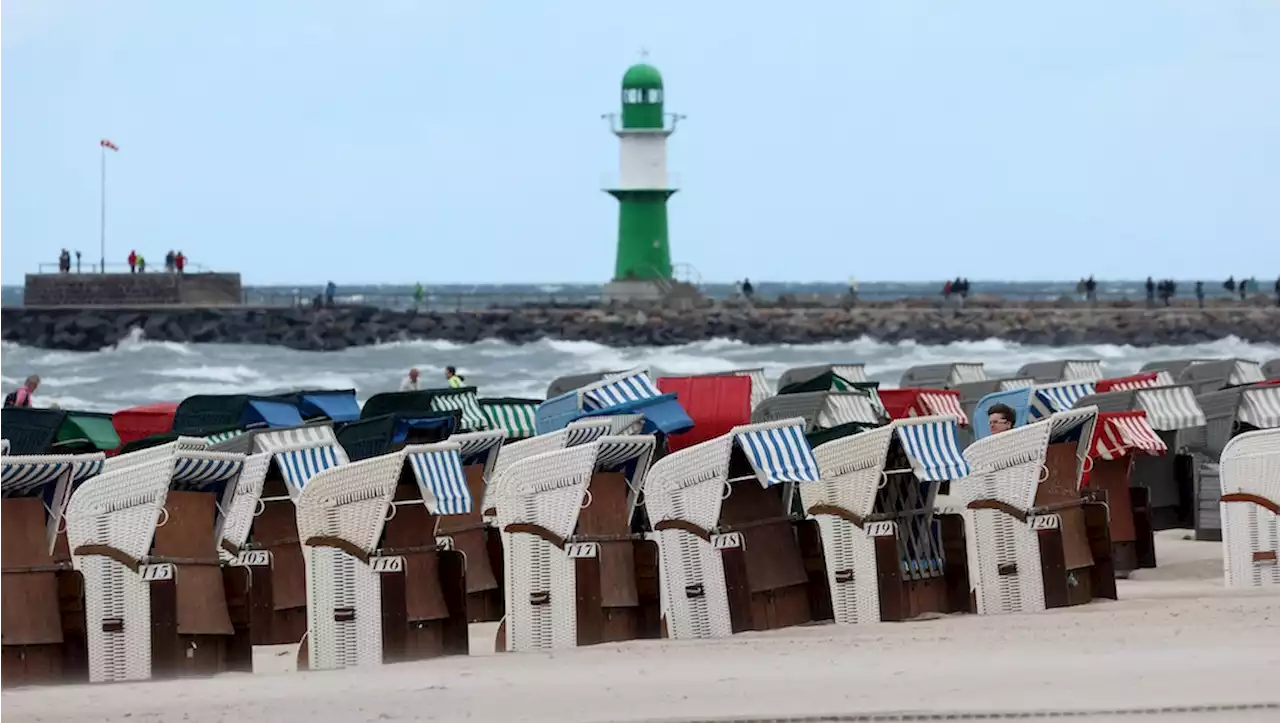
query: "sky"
462, 142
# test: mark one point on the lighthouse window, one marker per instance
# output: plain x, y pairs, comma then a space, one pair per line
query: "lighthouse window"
655, 96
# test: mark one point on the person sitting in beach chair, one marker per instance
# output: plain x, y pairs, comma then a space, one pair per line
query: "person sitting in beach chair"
1001, 417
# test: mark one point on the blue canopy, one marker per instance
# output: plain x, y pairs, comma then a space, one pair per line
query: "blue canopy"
340, 406
270, 413
661, 413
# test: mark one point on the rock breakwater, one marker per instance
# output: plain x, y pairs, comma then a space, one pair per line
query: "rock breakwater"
90, 329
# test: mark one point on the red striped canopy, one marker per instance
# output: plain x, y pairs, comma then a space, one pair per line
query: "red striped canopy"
920, 402
1146, 380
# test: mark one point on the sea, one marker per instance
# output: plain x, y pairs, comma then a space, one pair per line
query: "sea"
140, 371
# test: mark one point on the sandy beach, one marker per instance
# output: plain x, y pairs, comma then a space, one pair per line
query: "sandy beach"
1176, 638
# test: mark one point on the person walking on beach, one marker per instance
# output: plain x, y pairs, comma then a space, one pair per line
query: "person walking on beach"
133, 262
21, 397
455, 379
410, 383
1200, 294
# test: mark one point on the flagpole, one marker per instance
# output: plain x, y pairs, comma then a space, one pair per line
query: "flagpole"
102, 223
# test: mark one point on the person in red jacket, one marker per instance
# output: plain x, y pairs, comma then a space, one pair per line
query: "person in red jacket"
179, 262
133, 262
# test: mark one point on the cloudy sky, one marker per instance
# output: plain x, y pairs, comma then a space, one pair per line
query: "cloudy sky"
401, 141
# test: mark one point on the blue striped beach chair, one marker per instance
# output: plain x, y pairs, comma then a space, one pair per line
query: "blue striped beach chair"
368, 546
887, 551
714, 504
468, 532
35, 488
143, 534
628, 393
1030, 532
571, 561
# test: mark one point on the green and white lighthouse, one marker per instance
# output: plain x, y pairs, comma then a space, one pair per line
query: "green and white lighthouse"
643, 266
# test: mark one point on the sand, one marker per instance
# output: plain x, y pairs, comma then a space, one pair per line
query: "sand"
1176, 638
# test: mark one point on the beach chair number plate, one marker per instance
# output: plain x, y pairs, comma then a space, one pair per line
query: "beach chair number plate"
153, 573
253, 558
1045, 522
444, 542
882, 528
582, 550
394, 563
728, 541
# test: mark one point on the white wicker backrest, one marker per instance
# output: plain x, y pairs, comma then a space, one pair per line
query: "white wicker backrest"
350, 501
851, 471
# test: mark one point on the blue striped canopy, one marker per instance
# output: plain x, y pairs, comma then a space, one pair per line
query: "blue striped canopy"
195, 471
1067, 426
27, 477
1061, 397
300, 465
616, 392
780, 454
443, 484
617, 452
934, 450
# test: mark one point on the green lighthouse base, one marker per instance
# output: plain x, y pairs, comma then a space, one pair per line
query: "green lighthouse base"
664, 292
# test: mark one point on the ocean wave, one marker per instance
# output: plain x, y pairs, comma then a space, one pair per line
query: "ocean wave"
143, 372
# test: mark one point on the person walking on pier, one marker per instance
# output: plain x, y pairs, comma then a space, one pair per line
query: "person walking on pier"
1278, 291
77, 262
180, 262
1200, 294
1244, 289
456, 380
169, 265
1230, 286
1151, 293
133, 262
1091, 290
142, 264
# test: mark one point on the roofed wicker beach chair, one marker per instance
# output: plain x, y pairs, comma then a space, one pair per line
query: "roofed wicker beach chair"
631, 392
380, 586
576, 572
889, 555
1164, 484
1250, 474
44, 633
1034, 541
1063, 370
144, 534
1229, 413
1220, 374
731, 557
848, 372
1119, 438
943, 376
517, 417
760, 387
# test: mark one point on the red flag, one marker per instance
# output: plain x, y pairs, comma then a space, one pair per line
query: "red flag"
108, 144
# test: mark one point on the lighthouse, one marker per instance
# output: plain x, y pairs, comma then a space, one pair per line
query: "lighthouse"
643, 268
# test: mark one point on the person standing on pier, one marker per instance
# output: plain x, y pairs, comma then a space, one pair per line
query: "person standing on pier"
1200, 294
1151, 293
180, 262
133, 262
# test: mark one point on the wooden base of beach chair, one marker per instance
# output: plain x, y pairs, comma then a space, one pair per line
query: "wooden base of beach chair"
249, 597
618, 597
481, 546
1065, 586
768, 578
43, 613
424, 608
276, 531
1131, 528
902, 598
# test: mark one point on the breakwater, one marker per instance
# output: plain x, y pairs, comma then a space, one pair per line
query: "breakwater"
925, 322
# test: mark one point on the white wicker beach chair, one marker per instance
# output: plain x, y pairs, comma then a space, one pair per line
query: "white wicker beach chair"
1250, 475
538, 514
1002, 524
851, 473
845, 505
111, 524
245, 503
342, 511
683, 496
